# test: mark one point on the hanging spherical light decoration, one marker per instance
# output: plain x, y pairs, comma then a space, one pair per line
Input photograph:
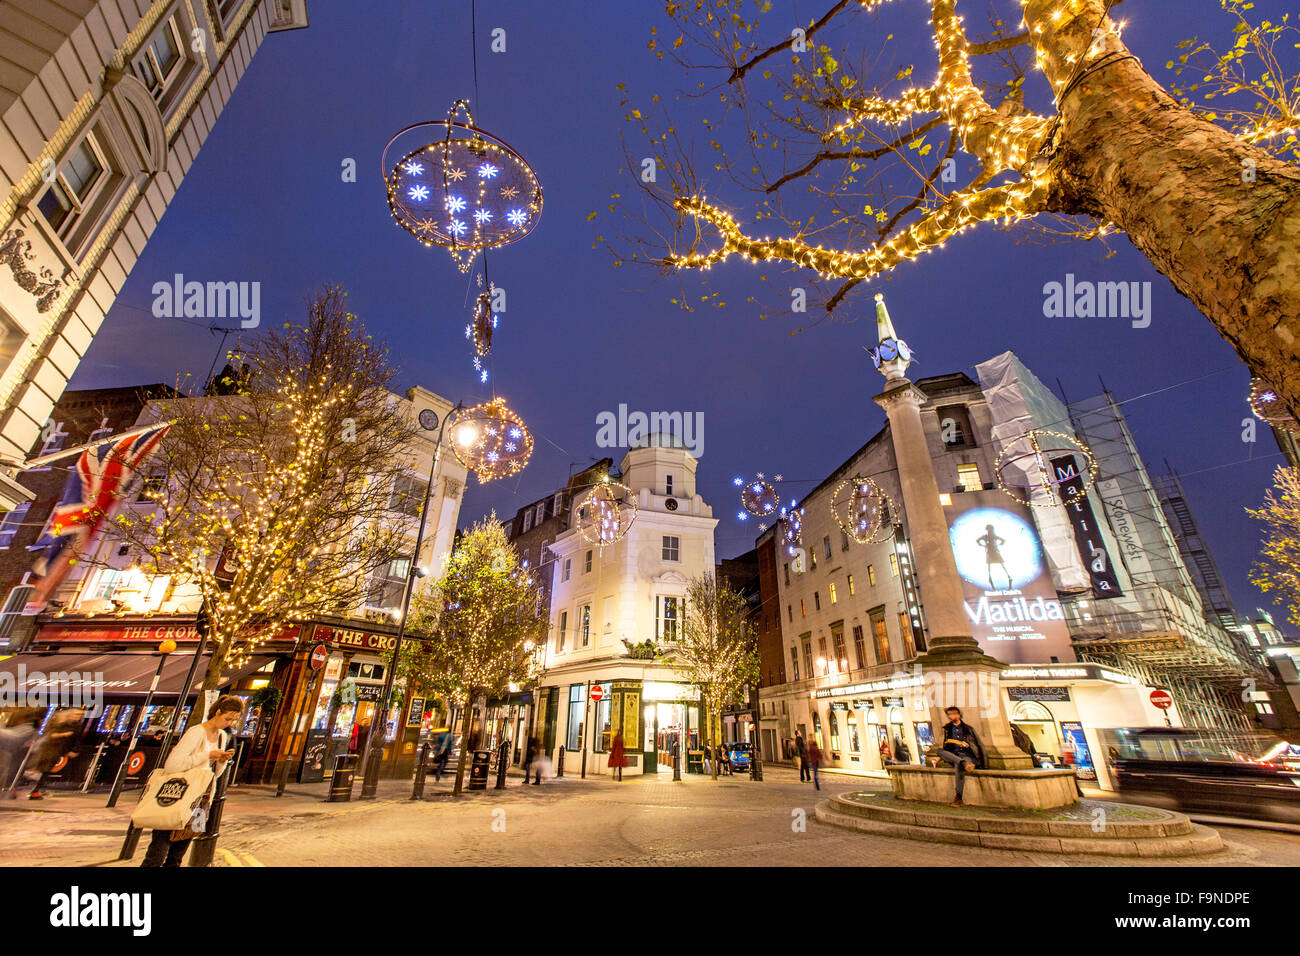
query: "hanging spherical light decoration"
1030, 469
1269, 407
757, 497
491, 440
466, 191
790, 529
483, 324
606, 512
863, 509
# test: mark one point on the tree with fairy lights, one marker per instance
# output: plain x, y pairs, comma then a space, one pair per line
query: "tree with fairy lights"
1278, 570
479, 621
275, 500
1052, 124
717, 650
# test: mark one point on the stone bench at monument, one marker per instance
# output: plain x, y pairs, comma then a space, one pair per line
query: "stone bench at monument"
1013, 789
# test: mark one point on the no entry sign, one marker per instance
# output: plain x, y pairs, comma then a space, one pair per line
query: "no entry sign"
597, 693
320, 654
1161, 699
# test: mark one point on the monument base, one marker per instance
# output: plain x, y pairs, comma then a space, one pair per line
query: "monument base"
1010, 789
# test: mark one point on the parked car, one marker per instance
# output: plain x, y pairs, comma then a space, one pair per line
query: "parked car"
1203, 772
739, 753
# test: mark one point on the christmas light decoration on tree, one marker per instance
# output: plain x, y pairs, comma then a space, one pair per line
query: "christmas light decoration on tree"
1268, 406
757, 497
491, 440
863, 509
467, 193
606, 512
1036, 477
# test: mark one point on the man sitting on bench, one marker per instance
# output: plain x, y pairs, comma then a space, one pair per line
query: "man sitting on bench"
961, 748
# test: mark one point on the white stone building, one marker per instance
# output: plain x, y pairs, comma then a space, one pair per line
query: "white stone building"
103, 106
604, 601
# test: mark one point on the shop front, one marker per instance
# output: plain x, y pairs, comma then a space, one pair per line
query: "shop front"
859, 728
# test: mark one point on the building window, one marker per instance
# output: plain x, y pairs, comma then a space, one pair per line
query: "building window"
541, 514
954, 426
822, 656
817, 600
835, 733
564, 627
11, 523
672, 548
905, 628
584, 622
790, 610
834, 598
668, 485
803, 607
159, 66
78, 183
587, 564
667, 617
568, 569
855, 744
577, 707
807, 655
841, 655
105, 584
859, 646
388, 585
812, 559
794, 662
817, 729
558, 504
528, 521
787, 574
851, 591
968, 478
826, 541
844, 540
893, 565
405, 497
880, 636
871, 575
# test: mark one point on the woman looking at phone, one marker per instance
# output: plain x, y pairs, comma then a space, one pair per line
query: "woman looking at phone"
202, 743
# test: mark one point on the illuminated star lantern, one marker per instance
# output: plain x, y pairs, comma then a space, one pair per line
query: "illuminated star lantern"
757, 497
491, 440
1043, 469
605, 514
477, 190
863, 509
1267, 407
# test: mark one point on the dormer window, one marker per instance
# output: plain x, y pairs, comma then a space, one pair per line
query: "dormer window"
668, 485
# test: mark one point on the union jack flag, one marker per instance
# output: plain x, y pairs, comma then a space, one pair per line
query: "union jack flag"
93, 490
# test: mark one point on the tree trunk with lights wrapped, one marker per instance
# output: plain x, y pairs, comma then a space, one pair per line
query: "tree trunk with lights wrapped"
1213, 210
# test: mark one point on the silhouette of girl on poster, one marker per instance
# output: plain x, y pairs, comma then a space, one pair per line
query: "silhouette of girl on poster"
989, 541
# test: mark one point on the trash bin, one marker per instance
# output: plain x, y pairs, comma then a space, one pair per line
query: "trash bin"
345, 771
478, 770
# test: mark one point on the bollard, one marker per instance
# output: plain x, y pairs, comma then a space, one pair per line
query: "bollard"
345, 771
503, 761
131, 843
417, 791
559, 764
370, 781
203, 848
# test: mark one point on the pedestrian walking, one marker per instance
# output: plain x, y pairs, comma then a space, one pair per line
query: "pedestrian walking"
617, 756
202, 743
15, 740
55, 745
886, 755
530, 757
814, 763
961, 748
801, 751
442, 755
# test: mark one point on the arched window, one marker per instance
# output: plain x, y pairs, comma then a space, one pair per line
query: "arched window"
817, 728
855, 743
835, 732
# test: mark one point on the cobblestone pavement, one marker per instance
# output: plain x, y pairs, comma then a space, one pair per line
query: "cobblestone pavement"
596, 822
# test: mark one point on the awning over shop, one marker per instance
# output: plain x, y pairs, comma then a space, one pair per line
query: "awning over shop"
109, 675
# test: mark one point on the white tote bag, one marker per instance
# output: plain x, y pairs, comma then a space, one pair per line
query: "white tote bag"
169, 798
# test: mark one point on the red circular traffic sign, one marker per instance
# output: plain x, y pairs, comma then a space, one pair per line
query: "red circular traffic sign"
1161, 699
597, 693
319, 655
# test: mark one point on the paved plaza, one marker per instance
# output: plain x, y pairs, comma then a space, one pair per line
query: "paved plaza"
568, 822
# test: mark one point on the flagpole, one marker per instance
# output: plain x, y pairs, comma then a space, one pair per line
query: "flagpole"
77, 450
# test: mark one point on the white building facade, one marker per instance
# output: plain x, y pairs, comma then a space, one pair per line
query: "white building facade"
103, 107
613, 611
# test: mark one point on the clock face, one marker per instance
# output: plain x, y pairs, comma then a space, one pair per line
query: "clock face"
428, 419
888, 350
903, 351
671, 504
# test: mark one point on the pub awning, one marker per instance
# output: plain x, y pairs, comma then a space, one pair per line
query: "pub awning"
108, 675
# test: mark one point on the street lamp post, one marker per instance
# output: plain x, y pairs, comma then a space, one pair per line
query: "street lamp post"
373, 755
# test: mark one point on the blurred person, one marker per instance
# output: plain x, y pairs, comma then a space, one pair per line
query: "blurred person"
902, 753
56, 743
443, 753
202, 743
814, 762
886, 755
15, 739
618, 755
530, 755
801, 752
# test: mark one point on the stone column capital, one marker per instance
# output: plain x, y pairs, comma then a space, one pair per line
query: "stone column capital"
901, 392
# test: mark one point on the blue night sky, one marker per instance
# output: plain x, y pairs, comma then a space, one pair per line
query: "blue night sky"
265, 201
